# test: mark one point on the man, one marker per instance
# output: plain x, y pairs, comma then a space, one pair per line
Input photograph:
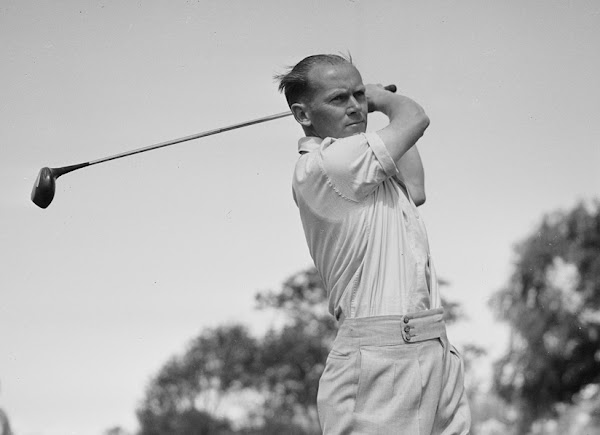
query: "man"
391, 369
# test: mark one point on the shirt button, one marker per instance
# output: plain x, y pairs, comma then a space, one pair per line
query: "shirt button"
406, 320
407, 329
407, 337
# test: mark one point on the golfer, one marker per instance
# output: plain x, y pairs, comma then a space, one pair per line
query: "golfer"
391, 369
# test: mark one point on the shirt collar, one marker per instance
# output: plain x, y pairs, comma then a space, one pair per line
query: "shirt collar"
308, 144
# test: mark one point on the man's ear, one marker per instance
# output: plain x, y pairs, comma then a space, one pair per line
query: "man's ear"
301, 113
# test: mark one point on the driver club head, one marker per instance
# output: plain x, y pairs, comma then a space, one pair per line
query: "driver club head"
44, 188
45, 185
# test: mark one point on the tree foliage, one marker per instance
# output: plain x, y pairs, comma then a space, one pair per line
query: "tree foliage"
552, 304
187, 391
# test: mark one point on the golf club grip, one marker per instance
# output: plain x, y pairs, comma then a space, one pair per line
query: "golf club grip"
391, 88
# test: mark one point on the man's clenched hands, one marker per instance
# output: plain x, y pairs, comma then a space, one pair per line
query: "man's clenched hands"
375, 94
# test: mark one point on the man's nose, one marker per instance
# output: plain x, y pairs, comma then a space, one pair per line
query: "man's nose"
353, 105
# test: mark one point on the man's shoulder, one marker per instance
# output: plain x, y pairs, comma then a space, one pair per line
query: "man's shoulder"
307, 166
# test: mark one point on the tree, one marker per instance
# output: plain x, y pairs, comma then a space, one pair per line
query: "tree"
552, 304
188, 390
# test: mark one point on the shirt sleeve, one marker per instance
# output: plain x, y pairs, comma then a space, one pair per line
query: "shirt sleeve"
355, 166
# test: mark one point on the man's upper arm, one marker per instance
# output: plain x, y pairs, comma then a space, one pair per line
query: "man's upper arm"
412, 175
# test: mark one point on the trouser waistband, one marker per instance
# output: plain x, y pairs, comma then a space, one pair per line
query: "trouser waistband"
394, 329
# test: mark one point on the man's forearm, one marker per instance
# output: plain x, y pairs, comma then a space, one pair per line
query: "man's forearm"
412, 174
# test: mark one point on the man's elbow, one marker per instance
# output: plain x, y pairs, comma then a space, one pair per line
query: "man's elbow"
417, 193
418, 125
422, 122
419, 198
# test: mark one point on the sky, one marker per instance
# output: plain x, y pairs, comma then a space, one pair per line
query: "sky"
137, 256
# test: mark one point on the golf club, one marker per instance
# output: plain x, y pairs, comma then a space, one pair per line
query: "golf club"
45, 184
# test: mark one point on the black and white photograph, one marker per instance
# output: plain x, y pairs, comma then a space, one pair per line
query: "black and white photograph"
278, 217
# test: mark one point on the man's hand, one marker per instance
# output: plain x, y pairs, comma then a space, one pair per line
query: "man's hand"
375, 94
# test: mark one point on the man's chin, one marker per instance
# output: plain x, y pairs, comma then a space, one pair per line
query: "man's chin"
350, 130
357, 128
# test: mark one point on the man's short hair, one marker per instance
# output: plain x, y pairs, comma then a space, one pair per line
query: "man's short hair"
295, 84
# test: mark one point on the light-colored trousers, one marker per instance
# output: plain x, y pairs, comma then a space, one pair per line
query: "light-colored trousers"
394, 375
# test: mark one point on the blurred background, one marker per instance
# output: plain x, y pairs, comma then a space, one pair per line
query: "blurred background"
172, 292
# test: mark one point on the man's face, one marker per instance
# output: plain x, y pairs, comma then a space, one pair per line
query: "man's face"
338, 104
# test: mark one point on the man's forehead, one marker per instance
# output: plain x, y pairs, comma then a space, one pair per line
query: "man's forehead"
325, 77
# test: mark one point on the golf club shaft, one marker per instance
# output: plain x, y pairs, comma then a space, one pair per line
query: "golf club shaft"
190, 137
391, 88
66, 169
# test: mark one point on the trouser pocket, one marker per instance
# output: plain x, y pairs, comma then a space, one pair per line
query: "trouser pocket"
337, 391
389, 384
454, 416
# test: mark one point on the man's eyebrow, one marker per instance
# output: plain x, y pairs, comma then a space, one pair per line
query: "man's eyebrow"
359, 88
337, 92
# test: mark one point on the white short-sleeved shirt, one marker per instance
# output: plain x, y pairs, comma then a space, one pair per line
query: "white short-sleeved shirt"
363, 231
